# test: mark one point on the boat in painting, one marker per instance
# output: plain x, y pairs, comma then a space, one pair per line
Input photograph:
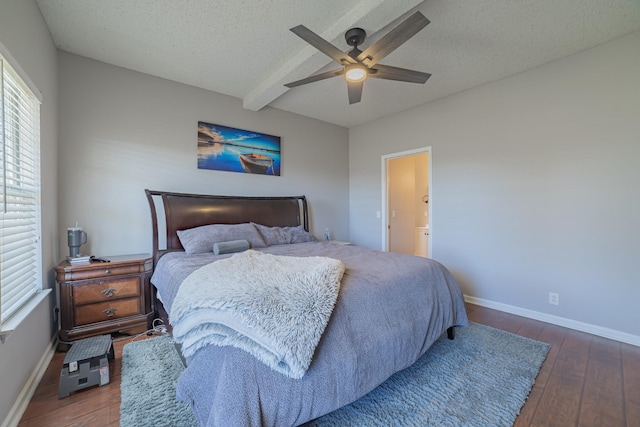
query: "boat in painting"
255, 163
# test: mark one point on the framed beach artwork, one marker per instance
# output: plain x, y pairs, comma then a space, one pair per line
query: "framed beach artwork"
235, 150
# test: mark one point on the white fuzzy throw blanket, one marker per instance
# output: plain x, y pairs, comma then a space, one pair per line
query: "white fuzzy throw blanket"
274, 307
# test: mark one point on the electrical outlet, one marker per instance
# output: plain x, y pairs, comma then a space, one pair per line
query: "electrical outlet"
554, 298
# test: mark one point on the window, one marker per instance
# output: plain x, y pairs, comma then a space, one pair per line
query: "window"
20, 252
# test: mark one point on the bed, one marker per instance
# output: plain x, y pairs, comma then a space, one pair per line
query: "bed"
390, 308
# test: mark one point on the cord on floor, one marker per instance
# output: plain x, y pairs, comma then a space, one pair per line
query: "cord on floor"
157, 328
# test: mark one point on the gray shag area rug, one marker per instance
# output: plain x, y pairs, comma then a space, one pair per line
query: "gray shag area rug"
482, 378
150, 371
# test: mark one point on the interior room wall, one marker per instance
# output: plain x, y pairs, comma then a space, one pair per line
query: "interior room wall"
422, 189
123, 131
24, 34
534, 186
401, 195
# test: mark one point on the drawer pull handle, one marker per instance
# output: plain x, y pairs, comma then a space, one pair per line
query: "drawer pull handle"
109, 292
109, 312
107, 271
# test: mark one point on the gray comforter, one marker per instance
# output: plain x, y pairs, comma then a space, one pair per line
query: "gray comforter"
389, 311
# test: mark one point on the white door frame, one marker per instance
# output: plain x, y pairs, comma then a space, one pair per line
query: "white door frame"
385, 191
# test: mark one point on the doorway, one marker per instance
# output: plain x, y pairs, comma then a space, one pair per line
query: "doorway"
406, 213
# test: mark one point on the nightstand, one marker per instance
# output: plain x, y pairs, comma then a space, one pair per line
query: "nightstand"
105, 297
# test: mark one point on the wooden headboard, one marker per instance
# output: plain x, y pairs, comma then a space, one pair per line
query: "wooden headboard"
181, 211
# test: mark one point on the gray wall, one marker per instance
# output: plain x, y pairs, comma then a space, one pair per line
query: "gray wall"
123, 131
535, 186
24, 33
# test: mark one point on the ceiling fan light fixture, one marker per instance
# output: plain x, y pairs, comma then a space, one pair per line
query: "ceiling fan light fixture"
358, 65
355, 73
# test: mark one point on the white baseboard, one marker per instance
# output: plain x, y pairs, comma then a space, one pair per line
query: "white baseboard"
557, 320
17, 410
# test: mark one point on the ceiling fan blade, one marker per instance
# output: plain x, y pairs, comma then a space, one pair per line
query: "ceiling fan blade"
355, 91
400, 74
322, 45
315, 78
393, 39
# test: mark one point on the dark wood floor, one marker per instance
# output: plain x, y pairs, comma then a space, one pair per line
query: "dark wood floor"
585, 381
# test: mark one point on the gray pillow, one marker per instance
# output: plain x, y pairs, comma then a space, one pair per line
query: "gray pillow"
284, 235
230, 247
201, 239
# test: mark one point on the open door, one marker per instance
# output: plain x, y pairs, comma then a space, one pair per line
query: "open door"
406, 208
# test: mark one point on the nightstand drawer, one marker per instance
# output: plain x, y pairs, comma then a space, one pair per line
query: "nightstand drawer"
109, 310
106, 290
101, 270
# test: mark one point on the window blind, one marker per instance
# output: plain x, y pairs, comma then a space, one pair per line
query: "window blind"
20, 254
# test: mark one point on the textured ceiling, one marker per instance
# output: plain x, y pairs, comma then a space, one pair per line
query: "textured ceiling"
244, 48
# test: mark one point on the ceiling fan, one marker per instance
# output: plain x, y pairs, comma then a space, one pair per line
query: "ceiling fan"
357, 65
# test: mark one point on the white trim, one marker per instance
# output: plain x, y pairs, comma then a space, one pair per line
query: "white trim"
17, 410
18, 69
385, 191
557, 320
7, 328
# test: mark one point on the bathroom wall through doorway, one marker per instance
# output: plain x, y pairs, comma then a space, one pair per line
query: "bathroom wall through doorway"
406, 179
